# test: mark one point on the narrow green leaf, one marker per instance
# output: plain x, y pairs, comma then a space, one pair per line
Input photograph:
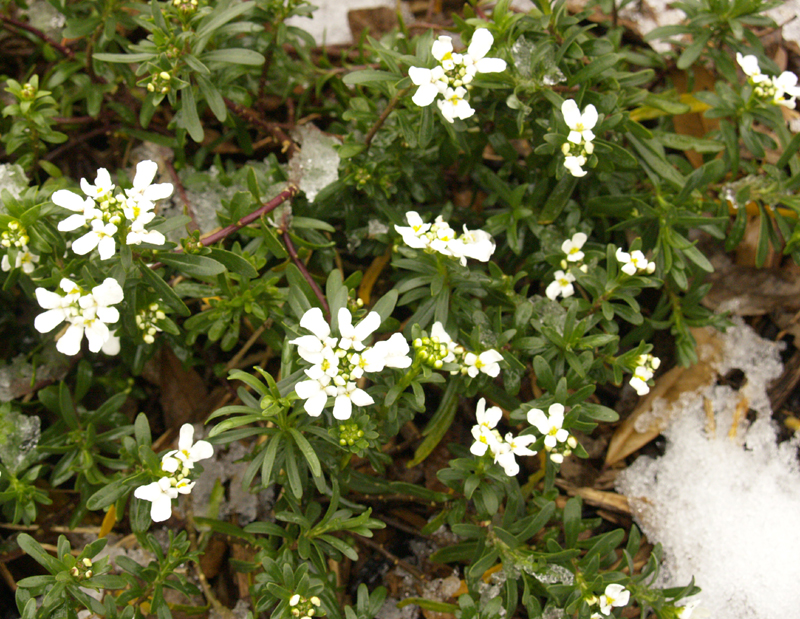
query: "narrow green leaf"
194, 265
307, 451
163, 290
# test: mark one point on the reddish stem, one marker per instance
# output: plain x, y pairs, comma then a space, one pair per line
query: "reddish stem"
23, 26
302, 267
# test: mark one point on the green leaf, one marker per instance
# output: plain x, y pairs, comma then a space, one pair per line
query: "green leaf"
141, 430
596, 67
425, 127
692, 53
234, 262
368, 76
235, 55
213, 98
191, 264
163, 290
572, 522
702, 177
110, 493
308, 452
190, 119
124, 58
39, 554
558, 199
440, 423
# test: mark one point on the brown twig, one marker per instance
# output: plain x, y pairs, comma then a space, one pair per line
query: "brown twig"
393, 558
212, 600
10, 21
384, 115
252, 117
81, 138
182, 192
302, 267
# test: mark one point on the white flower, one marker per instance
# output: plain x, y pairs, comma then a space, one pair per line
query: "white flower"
85, 209
640, 385
160, 493
750, 66
487, 418
101, 236
687, 611
102, 188
391, 353
562, 285
615, 595
634, 262
549, 424
572, 247
60, 307
574, 165
346, 396
442, 337
486, 362
353, 337
188, 452
315, 393
514, 446
785, 85
475, 244
580, 125
143, 188
442, 50
138, 234
485, 439
414, 234
431, 82
24, 259
310, 347
454, 105
475, 60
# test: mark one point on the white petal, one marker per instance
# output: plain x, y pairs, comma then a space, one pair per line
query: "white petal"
201, 450
366, 327
158, 192
96, 334
86, 243
107, 247
111, 347
481, 43
478, 448
44, 323
150, 492
490, 65
571, 113
314, 321
47, 299
145, 173
108, 315
109, 292
70, 342
342, 408
315, 404
419, 76
442, 46
186, 437
425, 94
69, 200
361, 398
168, 464
589, 118
161, 509
73, 222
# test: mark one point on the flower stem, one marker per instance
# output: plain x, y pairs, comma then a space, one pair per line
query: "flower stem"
304, 271
384, 115
10, 21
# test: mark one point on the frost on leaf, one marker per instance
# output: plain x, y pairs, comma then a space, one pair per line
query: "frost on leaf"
19, 435
316, 164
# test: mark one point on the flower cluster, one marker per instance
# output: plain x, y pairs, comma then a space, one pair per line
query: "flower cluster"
487, 438
303, 608
160, 81
579, 141
451, 78
87, 313
614, 595
780, 90
178, 465
440, 237
83, 569
440, 348
646, 366
16, 237
109, 215
635, 262
146, 321
562, 286
337, 363
557, 441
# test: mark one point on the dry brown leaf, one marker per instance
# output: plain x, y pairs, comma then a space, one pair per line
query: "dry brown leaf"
376, 22
747, 249
693, 124
597, 498
669, 387
184, 398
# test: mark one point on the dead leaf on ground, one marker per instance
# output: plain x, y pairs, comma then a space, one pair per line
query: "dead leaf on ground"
376, 22
669, 387
184, 397
748, 291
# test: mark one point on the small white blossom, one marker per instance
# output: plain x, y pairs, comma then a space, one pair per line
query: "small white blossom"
25, 260
160, 493
572, 247
549, 424
486, 362
485, 439
143, 190
314, 392
475, 244
750, 67
431, 82
580, 124
442, 50
353, 337
414, 235
574, 165
475, 60
188, 452
100, 236
634, 262
687, 611
439, 335
455, 105
785, 85
391, 353
346, 396
514, 446
615, 595
560, 286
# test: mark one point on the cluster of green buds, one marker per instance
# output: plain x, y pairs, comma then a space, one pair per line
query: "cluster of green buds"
362, 176
146, 321
160, 82
185, 6
438, 349
82, 569
15, 236
349, 433
28, 92
305, 608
